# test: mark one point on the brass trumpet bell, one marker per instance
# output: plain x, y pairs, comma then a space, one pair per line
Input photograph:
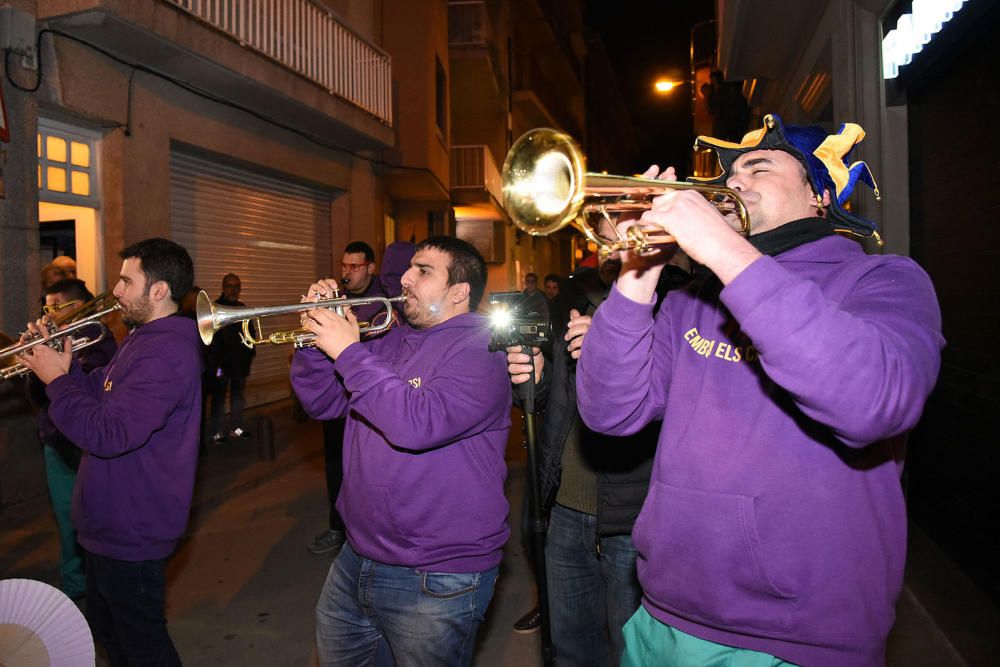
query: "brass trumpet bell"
546, 187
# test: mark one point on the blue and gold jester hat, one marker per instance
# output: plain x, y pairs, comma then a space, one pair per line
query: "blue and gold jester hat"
825, 158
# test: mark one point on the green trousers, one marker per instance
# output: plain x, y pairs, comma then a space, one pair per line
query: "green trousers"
649, 642
61, 479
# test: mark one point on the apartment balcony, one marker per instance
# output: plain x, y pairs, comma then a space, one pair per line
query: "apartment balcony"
475, 178
288, 60
472, 48
476, 194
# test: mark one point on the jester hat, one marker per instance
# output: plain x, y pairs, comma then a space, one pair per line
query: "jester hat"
825, 158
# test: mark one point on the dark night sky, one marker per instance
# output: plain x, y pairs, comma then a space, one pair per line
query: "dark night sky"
645, 41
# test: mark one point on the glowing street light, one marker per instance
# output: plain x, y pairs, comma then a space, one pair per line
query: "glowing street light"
663, 86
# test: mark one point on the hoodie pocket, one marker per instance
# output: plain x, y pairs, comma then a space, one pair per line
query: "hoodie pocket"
701, 553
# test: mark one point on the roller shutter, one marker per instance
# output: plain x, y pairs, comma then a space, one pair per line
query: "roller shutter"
274, 234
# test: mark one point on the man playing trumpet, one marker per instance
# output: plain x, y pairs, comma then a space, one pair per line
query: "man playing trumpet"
137, 422
428, 413
62, 457
775, 530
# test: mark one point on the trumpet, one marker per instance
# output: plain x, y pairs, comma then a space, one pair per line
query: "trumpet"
212, 317
545, 188
76, 322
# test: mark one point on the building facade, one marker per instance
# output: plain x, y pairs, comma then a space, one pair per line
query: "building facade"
265, 136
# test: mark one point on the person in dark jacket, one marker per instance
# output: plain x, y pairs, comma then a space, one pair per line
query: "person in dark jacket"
592, 489
230, 366
136, 421
62, 457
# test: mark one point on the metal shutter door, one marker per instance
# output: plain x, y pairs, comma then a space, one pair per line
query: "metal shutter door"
274, 234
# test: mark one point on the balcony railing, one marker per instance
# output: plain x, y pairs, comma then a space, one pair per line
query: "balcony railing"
473, 168
468, 23
307, 39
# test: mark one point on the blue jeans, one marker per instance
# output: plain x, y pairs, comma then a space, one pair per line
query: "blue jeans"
591, 596
425, 618
125, 611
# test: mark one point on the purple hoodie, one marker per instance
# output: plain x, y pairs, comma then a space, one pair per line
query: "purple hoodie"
137, 421
775, 518
428, 412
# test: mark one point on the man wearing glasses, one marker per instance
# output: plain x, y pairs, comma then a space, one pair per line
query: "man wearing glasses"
358, 279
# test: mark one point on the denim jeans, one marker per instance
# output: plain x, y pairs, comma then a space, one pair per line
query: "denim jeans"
125, 611
425, 618
591, 594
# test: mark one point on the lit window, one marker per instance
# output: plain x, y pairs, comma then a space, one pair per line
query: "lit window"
55, 149
66, 170
79, 154
80, 183
56, 179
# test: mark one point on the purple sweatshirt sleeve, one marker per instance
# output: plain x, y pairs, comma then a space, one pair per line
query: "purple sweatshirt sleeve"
863, 366
319, 389
620, 384
470, 389
122, 420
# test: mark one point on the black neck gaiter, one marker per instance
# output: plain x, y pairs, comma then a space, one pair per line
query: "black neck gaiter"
791, 235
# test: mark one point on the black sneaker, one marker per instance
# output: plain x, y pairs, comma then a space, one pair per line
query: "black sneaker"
529, 622
238, 434
328, 542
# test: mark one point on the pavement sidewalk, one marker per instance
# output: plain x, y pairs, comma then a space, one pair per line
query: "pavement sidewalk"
29, 546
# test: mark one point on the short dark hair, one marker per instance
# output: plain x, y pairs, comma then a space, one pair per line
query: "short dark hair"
231, 275
74, 288
466, 266
162, 259
531, 276
550, 277
360, 246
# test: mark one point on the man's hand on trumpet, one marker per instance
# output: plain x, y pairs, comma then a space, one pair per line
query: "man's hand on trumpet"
701, 231
44, 361
334, 333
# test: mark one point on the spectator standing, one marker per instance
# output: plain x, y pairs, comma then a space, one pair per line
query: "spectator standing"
230, 366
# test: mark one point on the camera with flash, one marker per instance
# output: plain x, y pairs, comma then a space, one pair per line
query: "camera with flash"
515, 320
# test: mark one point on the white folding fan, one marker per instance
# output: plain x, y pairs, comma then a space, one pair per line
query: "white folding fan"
41, 627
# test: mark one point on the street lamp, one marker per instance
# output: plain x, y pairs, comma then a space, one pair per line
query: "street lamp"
665, 86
